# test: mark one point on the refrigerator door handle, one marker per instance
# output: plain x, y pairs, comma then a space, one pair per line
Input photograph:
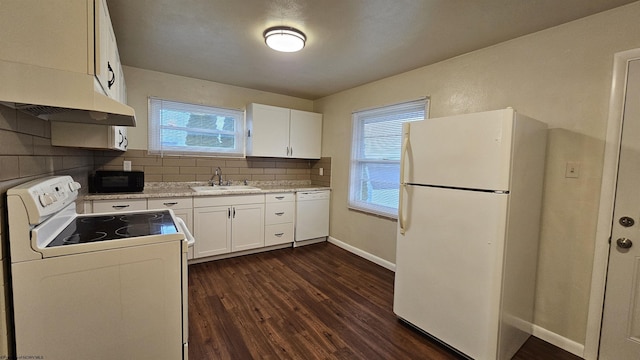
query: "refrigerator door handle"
405, 144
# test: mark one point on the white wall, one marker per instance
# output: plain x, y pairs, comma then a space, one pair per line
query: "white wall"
141, 84
561, 76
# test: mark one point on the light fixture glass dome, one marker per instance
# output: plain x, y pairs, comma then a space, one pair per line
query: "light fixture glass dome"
284, 38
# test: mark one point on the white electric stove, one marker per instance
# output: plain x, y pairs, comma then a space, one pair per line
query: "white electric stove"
97, 286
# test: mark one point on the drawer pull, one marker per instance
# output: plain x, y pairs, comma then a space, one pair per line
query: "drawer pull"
170, 203
279, 234
279, 197
118, 207
279, 213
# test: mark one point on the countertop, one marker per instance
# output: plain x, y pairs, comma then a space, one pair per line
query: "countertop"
183, 189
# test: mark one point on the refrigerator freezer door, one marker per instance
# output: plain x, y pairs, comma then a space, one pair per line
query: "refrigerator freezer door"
448, 266
471, 151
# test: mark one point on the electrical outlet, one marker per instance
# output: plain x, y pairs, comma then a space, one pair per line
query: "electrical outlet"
321, 171
572, 170
126, 165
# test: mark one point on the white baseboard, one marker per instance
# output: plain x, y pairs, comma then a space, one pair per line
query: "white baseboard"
374, 259
563, 343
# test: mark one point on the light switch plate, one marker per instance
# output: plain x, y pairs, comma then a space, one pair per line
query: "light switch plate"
126, 165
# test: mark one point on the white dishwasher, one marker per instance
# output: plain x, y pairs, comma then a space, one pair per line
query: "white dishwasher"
312, 216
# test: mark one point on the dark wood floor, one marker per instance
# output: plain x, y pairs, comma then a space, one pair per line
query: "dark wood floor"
313, 302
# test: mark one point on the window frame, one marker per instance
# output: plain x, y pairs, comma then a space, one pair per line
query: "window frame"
155, 146
358, 160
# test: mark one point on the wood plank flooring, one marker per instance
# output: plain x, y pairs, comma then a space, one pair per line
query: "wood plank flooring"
312, 302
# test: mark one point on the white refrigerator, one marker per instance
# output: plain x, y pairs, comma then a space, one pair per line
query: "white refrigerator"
468, 228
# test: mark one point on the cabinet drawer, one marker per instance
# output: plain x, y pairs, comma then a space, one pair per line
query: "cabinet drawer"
284, 197
278, 213
278, 234
171, 203
100, 206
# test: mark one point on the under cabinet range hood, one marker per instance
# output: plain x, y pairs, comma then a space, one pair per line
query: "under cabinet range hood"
59, 95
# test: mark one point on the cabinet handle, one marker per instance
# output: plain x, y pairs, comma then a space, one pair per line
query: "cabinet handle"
170, 203
118, 207
234, 213
228, 213
121, 137
279, 197
113, 79
279, 213
279, 234
287, 151
292, 151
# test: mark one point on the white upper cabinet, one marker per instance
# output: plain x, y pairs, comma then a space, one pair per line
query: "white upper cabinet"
107, 68
280, 132
305, 134
65, 43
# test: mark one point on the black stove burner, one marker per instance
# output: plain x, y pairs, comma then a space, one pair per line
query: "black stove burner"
138, 217
97, 219
86, 229
84, 238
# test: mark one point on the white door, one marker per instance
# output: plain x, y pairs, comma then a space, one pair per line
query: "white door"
467, 151
620, 337
448, 266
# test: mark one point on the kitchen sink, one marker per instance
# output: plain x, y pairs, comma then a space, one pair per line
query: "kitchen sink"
218, 188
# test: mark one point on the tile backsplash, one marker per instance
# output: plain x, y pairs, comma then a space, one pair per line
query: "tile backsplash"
185, 168
26, 152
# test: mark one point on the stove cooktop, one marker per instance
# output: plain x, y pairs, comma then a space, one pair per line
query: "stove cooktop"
87, 228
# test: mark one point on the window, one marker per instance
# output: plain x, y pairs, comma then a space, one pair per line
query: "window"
177, 128
375, 156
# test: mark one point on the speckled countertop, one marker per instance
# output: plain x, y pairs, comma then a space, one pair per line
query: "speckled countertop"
183, 189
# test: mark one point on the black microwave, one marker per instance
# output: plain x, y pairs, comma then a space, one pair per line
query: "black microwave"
103, 181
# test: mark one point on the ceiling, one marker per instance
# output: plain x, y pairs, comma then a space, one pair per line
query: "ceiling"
350, 42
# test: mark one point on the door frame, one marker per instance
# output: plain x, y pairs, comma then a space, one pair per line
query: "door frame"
607, 198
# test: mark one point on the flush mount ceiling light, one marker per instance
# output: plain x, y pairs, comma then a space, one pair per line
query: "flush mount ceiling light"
284, 38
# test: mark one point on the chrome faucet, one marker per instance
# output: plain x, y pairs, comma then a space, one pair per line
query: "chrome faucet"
218, 173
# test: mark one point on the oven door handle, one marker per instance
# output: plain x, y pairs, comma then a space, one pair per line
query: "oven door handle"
182, 227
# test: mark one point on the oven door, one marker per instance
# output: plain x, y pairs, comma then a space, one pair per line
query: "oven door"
125, 303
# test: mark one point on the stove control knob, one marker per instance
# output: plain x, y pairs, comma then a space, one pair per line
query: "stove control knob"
46, 199
74, 186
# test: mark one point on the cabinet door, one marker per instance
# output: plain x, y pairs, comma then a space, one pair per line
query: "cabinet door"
305, 135
248, 227
269, 130
102, 33
212, 230
107, 61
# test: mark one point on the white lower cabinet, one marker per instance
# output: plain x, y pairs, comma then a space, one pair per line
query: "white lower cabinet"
223, 224
247, 230
279, 219
212, 230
